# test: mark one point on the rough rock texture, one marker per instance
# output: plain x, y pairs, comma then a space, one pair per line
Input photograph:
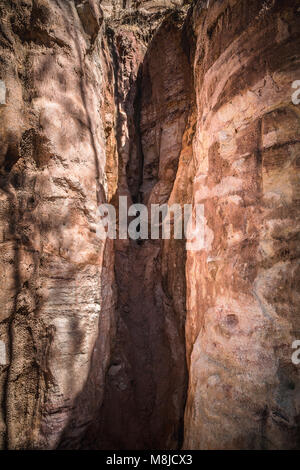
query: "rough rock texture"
110, 345
57, 278
243, 287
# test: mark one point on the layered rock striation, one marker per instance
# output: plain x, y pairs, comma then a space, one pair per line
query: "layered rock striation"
57, 278
243, 287
140, 344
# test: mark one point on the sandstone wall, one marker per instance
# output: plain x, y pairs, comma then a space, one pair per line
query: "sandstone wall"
110, 345
243, 287
56, 276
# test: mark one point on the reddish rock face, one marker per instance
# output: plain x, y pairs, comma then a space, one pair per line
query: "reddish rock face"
243, 287
57, 278
113, 345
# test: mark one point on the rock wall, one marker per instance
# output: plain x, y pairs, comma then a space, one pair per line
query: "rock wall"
243, 287
57, 278
111, 345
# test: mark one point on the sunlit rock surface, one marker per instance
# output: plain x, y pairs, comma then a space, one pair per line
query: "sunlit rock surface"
243, 287
57, 279
143, 345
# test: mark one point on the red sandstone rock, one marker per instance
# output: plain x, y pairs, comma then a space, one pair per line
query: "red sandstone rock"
243, 288
58, 284
149, 101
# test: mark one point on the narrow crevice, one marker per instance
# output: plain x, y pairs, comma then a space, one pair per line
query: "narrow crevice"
146, 382
134, 169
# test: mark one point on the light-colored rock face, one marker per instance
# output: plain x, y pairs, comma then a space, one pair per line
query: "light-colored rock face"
118, 8
101, 99
243, 288
56, 276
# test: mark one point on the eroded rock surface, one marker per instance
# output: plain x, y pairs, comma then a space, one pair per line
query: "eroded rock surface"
110, 345
57, 278
148, 361
243, 287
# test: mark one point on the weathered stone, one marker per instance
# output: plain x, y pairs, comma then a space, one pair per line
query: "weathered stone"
162, 102
57, 316
243, 298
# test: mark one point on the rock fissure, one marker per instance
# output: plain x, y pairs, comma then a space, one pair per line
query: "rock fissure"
123, 344
145, 368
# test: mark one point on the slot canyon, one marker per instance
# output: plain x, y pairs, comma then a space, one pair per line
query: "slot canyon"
123, 344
